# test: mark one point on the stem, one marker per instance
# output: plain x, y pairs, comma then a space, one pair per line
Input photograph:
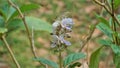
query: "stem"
10, 51
33, 44
90, 33
60, 60
114, 24
109, 6
25, 24
107, 9
88, 37
30, 37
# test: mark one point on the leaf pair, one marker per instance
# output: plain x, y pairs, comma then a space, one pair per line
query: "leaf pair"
115, 49
10, 20
94, 59
67, 61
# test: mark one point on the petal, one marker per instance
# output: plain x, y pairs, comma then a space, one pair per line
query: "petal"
61, 38
66, 21
67, 43
55, 24
68, 29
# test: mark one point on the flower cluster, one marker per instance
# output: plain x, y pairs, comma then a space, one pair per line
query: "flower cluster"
61, 31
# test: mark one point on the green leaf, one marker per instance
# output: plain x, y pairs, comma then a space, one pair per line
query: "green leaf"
48, 62
94, 59
103, 20
105, 42
34, 22
7, 11
105, 29
1, 22
3, 30
38, 24
115, 48
14, 24
2, 13
116, 3
73, 57
26, 8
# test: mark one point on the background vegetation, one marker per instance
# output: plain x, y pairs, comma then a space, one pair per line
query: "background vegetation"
41, 14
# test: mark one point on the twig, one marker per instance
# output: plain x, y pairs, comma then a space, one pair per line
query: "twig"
107, 9
33, 45
25, 24
103, 5
109, 6
113, 15
33, 48
10, 51
90, 33
30, 37
88, 38
113, 23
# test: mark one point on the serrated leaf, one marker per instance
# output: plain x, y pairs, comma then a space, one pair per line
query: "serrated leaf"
105, 29
73, 57
48, 62
25, 8
38, 24
94, 59
105, 42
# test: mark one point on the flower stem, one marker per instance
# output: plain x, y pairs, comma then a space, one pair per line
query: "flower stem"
10, 51
60, 60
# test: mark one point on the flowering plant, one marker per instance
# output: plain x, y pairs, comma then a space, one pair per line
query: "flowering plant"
61, 30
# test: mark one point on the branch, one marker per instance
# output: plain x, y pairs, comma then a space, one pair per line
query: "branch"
107, 9
31, 37
88, 38
33, 48
25, 24
10, 51
33, 45
103, 5
91, 31
114, 23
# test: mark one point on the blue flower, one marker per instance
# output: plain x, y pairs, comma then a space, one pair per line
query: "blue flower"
67, 22
63, 41
61, 30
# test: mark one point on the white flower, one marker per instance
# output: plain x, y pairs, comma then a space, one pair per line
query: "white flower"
55, 26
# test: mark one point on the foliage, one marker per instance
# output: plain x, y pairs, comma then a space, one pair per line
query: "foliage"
48, 62
72, 58
117, 3
109, 28
38, 24
95, 56
13, 30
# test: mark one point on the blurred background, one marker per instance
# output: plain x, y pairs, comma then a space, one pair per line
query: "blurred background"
83, 13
